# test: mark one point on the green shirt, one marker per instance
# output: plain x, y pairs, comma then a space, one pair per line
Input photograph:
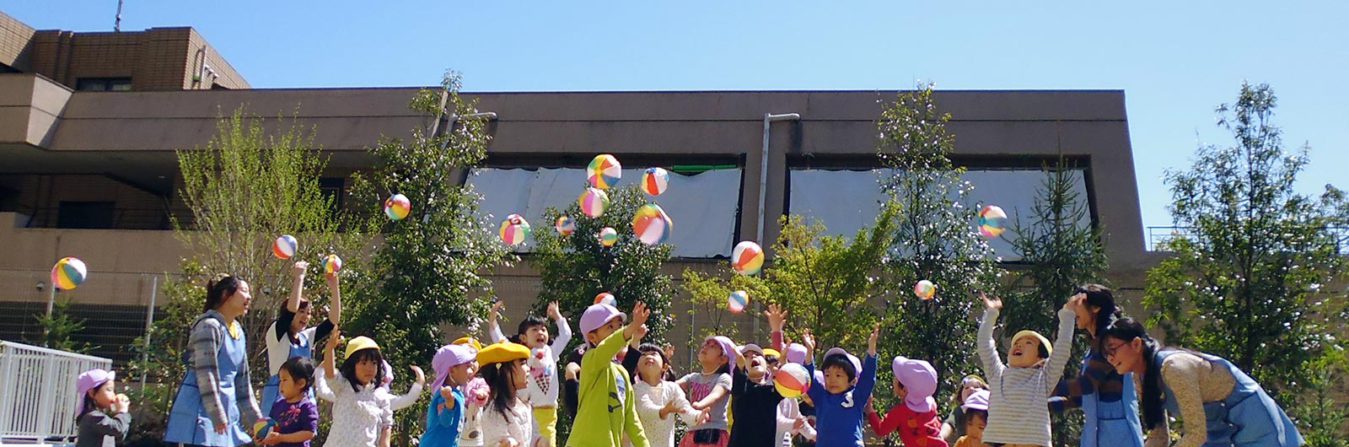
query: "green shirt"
608, 407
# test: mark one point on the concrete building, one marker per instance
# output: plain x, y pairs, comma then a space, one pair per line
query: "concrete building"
92, 174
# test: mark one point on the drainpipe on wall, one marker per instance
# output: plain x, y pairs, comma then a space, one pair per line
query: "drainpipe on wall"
768, 119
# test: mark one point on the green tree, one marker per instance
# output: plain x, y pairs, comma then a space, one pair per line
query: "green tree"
59, 329
1246, 278
1059, 256
708, 298
431, 267
935, 240
574, 269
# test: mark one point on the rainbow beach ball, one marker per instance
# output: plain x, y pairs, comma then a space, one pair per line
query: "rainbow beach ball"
925, 290
747, 258
593, 202
608, 236
69, 273
992, 221
791, 380
606, 298
397, 207
514, 230
332, 264
737, 302
651, 225
603, 171
655, 180
565, 226
285, 247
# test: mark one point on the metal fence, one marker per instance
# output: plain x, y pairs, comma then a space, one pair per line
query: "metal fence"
37, 392
1159, 237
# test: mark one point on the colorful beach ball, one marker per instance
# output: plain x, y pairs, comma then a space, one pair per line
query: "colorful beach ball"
604, 171
651, 225
285, 247
68, 273
737, 302
593, 202
608, 236
655, 180
606, 298
332, 264
397, 207
925, 289
747, 258
564, 226
992, 221
514, 230
791, 380
261, 428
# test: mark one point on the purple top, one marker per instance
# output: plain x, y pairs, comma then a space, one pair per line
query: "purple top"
295, 417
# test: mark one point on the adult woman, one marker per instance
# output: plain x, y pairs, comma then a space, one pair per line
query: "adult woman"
215, 401
1198, 387
1110, 408
289, 335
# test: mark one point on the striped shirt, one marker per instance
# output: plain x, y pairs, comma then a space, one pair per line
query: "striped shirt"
1017, 409
204, 344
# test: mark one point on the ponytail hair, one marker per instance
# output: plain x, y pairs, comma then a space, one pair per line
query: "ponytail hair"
219, 288
1126, 330
1101, 297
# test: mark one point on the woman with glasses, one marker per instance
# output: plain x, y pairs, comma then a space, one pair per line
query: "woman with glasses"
1110, 408
1218, 404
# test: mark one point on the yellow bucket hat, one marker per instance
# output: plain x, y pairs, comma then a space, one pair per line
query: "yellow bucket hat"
502, 352
1049, 348
359, 343
470, 342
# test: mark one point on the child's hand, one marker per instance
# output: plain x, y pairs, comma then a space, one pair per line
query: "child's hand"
777, 317
639, 316
572, 370
509, 442
703, 417
638, 333
994, 303
553, 313
299, 269
808, 340
495, 314
870, 407
800, 424
333, 340
122, 405
421, 377
871, 341
332, 281
447, 392
273, 438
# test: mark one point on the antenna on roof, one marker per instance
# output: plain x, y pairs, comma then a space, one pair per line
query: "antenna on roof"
117, 25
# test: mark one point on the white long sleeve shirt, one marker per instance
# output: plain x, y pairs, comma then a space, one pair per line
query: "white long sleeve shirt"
650, 400
541, 391
789, 410
1017, 409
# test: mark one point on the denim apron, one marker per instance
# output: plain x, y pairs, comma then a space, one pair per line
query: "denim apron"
1247, 417
1111, 423
271, 390
188, 421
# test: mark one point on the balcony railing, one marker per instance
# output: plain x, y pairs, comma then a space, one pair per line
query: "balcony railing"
1159, 237
113, 219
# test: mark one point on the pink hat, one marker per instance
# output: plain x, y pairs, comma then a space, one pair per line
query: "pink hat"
448, 357
920, 379
598, 315
727, 348
856, 363
977, 401
89, 380
796, 353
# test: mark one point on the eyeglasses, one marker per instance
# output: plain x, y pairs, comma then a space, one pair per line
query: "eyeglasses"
1110, 350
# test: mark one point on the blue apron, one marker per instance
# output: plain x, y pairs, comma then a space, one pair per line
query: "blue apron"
271, 390
188, 421
1111, 423
1247, 417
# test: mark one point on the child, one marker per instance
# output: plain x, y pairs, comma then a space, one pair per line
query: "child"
362, 412
289, 335
975, 410
506, 419
710, 391
954, 425
658, 399
916, 416
756, 399
839, 399
445, 415
295, 415
544, 382
476, 393
606, 403
99, 399
1018, 411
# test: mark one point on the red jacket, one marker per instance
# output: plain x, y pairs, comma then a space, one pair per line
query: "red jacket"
915, 429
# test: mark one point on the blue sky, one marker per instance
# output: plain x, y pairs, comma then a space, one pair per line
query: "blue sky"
1174, 60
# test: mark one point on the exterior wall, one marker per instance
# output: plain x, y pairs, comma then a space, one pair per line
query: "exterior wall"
15, 38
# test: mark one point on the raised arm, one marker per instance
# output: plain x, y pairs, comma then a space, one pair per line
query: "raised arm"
413, 394
559, 346
1063, 343
777, 321
335, 289
297, 272
988, 349
493, 328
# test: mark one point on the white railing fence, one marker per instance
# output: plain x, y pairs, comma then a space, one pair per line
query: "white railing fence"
37, 391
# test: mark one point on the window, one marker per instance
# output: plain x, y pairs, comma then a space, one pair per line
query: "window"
845, 201
103, 84
88, 215
703, 205
333, 188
